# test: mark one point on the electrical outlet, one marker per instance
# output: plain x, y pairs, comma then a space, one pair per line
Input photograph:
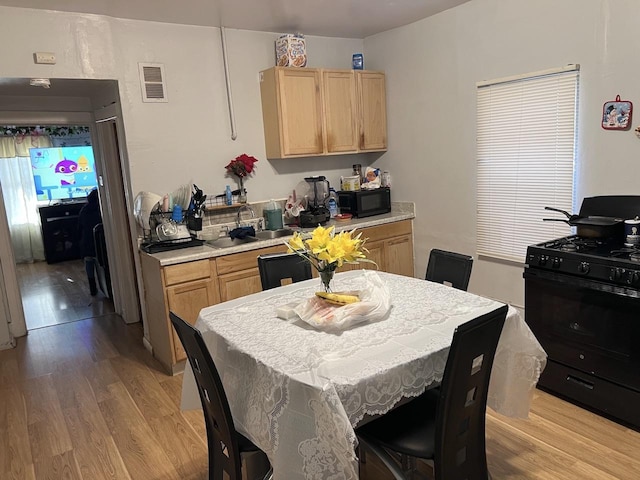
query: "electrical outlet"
47, 58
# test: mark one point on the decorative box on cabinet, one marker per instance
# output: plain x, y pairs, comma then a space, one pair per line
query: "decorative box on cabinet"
310, 112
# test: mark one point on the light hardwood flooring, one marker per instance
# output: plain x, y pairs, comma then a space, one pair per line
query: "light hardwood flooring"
85, 400
58, 293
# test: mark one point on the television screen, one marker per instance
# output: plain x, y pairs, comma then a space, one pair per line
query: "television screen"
61, 173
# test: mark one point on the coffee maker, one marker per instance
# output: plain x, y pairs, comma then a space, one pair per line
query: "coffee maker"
316, 212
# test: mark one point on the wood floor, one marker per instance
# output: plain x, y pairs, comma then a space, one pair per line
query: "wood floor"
58, 293
85, 400
80, 398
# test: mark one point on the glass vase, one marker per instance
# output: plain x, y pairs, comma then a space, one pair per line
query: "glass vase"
242, 196
326, 276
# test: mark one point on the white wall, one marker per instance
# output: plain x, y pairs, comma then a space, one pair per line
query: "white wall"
188, 138
432, 67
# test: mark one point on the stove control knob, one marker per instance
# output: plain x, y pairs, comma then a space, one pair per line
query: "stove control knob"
584, 267
634, 277
542, 260
615, 274
557, 261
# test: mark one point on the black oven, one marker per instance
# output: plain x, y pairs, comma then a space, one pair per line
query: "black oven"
582, 302
364, 203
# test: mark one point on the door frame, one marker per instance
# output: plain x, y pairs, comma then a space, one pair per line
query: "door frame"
115, 191
128, 307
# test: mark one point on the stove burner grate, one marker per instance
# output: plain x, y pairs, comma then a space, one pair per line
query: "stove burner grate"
635, 257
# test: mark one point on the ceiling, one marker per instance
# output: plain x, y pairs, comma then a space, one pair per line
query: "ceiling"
330, 18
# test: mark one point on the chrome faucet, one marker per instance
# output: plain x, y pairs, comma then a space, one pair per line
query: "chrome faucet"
246, 206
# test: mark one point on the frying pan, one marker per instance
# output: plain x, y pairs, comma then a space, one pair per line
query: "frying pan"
593, 226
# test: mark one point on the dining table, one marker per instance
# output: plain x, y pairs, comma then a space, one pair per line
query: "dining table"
298, 392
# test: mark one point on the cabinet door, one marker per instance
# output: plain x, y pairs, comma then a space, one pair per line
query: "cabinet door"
186, 301
373, 111
376, 253
399, 256
300, 111
339, 89
239, 284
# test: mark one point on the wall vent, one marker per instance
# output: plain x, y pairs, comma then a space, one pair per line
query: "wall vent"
152, 82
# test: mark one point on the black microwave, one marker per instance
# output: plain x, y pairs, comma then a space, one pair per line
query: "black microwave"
364, 203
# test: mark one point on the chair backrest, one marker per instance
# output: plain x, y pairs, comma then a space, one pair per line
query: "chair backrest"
460, 425
276, 267
449, 268
224, 454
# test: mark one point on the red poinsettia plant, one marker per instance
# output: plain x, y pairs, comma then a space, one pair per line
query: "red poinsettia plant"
242, 165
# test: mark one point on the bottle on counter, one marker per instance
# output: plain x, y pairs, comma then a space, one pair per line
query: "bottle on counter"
357, 170
228, 196
333, 203
385, 180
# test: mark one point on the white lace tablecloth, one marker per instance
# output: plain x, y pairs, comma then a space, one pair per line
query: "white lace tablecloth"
297, 393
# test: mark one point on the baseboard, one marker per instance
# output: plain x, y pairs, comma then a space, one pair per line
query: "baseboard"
147, 345
8, 345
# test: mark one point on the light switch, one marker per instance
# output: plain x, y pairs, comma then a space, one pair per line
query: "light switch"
47, 58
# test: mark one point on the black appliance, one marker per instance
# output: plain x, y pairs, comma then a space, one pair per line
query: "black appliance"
316, 212
60, 234
365, 203
582, 302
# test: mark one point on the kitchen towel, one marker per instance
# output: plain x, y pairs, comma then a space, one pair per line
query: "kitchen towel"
242, 232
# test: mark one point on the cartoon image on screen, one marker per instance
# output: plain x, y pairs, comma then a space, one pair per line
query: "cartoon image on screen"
61, 173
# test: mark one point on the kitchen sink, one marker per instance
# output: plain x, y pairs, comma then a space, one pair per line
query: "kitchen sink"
224, 242
268, 234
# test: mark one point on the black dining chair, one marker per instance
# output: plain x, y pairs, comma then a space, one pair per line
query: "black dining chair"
278, 267
445, 425
449, 268
225, 444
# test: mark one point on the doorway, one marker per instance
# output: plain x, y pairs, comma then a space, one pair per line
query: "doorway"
46, 174
79, 102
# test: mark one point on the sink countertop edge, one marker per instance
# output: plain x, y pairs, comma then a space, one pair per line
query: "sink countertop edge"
203, 252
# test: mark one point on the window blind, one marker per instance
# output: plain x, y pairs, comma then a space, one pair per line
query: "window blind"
526, 144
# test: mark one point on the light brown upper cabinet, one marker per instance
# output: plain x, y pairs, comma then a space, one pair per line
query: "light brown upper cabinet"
292, 112
373, 111
340, 111
310, 112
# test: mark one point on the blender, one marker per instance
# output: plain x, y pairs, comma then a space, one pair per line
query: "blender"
316, 212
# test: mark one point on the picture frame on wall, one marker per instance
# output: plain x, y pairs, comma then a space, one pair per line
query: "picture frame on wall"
616, 115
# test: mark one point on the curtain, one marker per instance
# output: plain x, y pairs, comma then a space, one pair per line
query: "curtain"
18, 189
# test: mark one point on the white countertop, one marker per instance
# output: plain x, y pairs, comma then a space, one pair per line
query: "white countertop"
399, 211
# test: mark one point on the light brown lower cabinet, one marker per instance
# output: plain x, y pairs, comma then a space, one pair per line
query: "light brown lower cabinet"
238, 274
189, 287
186, 300
390, 246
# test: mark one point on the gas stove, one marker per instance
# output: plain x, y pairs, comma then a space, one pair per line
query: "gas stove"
607, 260
582, 298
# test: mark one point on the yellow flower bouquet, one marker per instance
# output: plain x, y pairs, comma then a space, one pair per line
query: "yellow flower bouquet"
326, 250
